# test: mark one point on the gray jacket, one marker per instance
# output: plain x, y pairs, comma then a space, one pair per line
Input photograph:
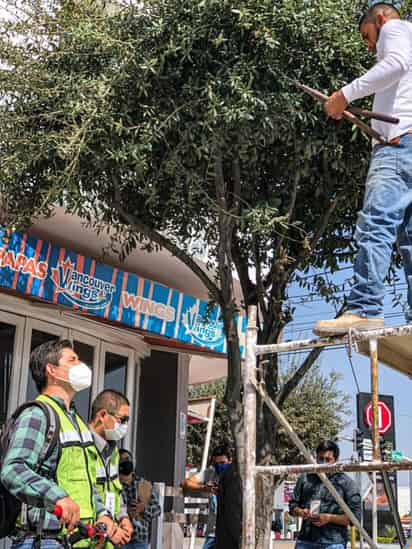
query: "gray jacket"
310, 487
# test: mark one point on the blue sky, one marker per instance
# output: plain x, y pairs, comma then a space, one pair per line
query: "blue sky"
390, 382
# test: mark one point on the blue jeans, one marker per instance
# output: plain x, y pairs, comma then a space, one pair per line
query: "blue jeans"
210, 543
28, 544
136, 545
386, 216
312, 545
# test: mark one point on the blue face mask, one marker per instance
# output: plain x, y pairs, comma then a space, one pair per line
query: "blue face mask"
221, 467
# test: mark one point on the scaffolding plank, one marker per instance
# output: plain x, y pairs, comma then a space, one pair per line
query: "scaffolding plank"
394, 345
394, 351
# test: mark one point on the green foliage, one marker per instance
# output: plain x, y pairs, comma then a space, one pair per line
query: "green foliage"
131, 113
317, 409
179, 120
196, 434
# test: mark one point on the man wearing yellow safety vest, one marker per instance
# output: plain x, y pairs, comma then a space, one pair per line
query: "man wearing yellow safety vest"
109, 423
66, 477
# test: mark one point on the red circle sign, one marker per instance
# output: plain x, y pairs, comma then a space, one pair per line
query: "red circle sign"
384, 416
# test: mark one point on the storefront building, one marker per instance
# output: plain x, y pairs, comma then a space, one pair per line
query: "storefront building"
142, 325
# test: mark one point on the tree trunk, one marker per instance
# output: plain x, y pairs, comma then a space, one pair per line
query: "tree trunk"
264, 506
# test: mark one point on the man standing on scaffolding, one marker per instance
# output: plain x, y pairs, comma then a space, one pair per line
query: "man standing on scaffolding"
324, 525
387, 211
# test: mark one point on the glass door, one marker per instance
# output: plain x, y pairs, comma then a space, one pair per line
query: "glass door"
88, 349
36, 333
114, 366
11, 338
118, 372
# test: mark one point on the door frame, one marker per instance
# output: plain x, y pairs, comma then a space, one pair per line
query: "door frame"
42, 326
133, 367
96, 343
19, 322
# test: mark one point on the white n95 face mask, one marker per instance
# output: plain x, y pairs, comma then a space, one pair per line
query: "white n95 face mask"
80, 377
118, 432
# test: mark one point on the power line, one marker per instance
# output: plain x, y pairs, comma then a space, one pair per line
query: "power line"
325, 273
389, 290
347, 350
353, 370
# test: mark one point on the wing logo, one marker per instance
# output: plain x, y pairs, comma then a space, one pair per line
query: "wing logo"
201, 329
79, 288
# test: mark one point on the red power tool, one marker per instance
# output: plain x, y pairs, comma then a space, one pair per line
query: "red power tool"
97, 532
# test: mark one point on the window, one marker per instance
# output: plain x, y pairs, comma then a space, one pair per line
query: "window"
7, 336
37, 338
83, 398
115, 370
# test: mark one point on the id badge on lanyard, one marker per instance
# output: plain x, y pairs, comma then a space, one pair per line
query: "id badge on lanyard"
111, 503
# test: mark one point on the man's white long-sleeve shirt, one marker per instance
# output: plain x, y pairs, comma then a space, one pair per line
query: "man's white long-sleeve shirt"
390, 79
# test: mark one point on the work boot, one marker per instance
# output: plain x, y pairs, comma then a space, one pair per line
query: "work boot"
342, 325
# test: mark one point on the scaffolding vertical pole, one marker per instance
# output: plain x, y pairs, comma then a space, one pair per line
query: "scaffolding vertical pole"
203, 466
249, 418
374, 508
208, 433
373, 347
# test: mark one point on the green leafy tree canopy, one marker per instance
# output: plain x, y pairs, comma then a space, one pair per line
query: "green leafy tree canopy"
317, 409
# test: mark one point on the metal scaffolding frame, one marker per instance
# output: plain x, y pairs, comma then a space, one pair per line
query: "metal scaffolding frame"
252, 386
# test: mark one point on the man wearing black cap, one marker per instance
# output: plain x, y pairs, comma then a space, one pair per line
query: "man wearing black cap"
386, 215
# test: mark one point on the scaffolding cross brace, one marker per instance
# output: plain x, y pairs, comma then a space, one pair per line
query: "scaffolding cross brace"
252, 387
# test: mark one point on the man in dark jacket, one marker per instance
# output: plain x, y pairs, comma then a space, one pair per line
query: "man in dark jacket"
229, 507
324, 524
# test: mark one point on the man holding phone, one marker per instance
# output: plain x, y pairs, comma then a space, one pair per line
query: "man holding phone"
324, 525
207, 482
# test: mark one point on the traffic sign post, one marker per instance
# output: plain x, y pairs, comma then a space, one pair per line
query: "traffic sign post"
386, 432
386, 416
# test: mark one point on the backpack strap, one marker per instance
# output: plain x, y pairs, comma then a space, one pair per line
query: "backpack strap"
52, 427
52, 439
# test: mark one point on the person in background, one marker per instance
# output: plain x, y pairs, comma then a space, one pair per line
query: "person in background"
142, 502
229, 505
109, 421
206, 481
324, 525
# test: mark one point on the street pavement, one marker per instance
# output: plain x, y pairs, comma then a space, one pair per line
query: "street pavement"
279, 544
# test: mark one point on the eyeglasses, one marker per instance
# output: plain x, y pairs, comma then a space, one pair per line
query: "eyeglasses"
122, 419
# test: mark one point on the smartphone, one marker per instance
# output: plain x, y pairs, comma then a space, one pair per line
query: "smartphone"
315, 507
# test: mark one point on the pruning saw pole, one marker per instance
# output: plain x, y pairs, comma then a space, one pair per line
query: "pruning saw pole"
351, 112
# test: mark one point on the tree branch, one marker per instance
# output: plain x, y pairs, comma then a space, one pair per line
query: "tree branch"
164, 242
225, 266
289, 218
296, 378
317, 236
236, 187
241, 266
248, 288
259, 283
324, 224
